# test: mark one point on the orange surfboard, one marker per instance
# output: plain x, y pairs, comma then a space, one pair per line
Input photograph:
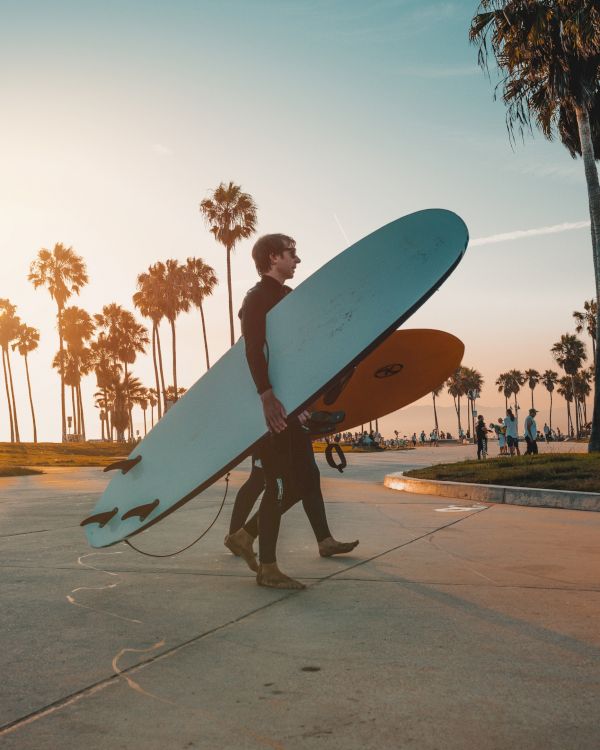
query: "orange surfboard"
408, 365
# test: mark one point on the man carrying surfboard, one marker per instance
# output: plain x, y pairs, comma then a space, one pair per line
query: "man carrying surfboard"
286, 453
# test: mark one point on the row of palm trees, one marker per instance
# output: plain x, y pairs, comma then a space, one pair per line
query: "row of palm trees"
574, 386
108, 343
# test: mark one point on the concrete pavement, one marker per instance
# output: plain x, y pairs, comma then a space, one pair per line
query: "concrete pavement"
448, 627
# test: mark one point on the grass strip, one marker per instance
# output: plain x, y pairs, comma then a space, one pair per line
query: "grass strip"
577, 472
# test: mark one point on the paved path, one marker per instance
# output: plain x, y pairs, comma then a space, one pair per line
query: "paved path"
448, 627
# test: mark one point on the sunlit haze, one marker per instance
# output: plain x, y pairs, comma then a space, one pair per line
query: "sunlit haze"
337, 117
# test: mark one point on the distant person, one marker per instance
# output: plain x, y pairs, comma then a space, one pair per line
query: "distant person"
500, 431
414, 439
422, 436
531, 433
547, 433
481, 433
512, 435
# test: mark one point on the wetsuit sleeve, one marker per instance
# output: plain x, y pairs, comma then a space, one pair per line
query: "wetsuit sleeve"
254, 318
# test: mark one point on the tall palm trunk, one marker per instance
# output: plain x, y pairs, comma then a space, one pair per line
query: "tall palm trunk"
569, 419
435, 418
162, 374
62, 378
593, 187
144, 422
128, 405
10, 415
154, 362
74, 411
229, 291
81, 416
152, 415
575, 400
550, 409
174, 343
30, 400
12, 393
107, 416
204, 336
532, 406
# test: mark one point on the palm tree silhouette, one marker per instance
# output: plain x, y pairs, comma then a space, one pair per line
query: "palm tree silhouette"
434, 394
200, 281
27, 341
231, 216
516, 379
125, 339
533, 378
104, 366
587, 320
153, 400
174, 301
76, 329
549, 56
504, 383
63, 273
473, 383
549, 380
569, 354
148, 300
565, 389
456, 388
9, 331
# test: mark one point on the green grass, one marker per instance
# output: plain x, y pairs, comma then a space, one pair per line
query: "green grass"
17, 471
16, 459
558, 471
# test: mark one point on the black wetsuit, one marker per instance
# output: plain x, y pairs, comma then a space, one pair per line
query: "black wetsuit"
287, 459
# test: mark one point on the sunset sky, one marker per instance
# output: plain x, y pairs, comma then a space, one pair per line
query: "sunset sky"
336, 116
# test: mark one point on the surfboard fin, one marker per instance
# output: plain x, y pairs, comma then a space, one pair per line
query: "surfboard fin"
100, 518
140, 511
125, 465
322, 422
332, 395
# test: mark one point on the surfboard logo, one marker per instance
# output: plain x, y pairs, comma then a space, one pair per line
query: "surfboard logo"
387, 371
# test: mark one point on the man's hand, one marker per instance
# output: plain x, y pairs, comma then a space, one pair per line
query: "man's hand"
275, 414
303, 417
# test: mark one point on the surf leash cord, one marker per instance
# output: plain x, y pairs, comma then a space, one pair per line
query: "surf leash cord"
203, 534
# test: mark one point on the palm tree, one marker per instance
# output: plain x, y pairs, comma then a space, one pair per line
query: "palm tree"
587, 320
63, 273
174, 302
549, 380
516, 379
565, 389
549, 53
148, 300
456, 388
569, 354
105, 368
533, 378
231, 216
504, 383
124, 336
77, 328
473, 383
200, 281
10, 324
27, 341
434, 394
153, 400
581, 390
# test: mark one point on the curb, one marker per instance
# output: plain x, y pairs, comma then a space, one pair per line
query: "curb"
495, 493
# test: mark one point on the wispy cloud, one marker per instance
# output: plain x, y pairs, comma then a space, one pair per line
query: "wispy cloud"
524, 233
158, 148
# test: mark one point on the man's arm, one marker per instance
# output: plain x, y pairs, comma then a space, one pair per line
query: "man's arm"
254, 318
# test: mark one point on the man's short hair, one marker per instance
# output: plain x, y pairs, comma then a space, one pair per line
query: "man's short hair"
267, 245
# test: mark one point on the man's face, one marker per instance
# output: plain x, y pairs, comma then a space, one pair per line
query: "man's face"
285, 264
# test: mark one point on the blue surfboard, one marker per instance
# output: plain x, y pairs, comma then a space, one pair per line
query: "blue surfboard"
331, 321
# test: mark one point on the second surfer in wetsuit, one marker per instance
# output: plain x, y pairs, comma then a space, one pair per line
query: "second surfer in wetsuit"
283, 452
